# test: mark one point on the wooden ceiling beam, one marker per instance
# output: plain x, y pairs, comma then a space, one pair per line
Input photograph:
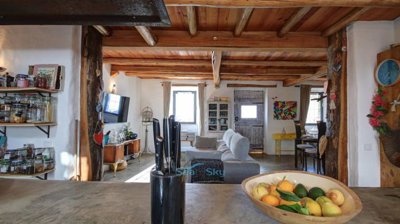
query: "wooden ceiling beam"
105, 31
342, 23
258, 77
283, 4
192, 19
219, 40
293, 20
291, 82
237, 85
216, 59
147, 35
156, 62
206, 63
276, 63
208, 70
244, 19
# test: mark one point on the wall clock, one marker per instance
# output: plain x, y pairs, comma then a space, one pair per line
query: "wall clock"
388, 72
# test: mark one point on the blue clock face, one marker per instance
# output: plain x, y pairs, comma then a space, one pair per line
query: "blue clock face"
388, 72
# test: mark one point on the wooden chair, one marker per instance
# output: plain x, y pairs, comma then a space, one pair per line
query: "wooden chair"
317, 152
299, 147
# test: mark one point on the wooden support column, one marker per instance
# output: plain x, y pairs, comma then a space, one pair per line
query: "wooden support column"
216, 59
91, 154
336, 153
192, 20
244, 19
293, 21
147, 35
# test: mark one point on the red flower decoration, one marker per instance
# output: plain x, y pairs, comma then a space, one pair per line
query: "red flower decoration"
377, 112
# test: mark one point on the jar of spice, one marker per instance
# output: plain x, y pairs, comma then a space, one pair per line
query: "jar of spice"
5, 110
48, 115
4, 166
18, 113
22, 81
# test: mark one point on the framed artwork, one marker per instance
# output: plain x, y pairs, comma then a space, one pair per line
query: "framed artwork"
285, 110
50, 71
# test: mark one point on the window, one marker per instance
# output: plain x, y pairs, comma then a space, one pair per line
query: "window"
248, 112
315, 109
184, 104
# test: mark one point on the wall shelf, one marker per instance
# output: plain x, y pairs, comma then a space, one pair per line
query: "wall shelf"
40, 126
37, 175
40, 91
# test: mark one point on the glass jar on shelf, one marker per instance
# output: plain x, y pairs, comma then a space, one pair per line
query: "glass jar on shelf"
4, 166
18, 113
48, 106
29, 167
40, 110
5, 110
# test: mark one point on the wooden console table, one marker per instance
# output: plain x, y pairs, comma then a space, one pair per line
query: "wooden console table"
115, 153
278, 137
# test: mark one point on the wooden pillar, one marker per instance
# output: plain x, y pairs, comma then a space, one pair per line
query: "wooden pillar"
336, 154
91, 154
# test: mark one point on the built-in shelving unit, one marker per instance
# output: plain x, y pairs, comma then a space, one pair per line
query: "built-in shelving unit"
37, 175
42, 126
218, 116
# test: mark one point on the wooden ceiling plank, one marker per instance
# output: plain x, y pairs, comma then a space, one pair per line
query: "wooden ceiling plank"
147, 35
105, 31
293, 20
237, 85
219, 40
283, 4
192, 20
321, 72
244, 19
342, 23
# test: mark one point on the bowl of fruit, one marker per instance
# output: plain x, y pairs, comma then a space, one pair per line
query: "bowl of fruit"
301, 197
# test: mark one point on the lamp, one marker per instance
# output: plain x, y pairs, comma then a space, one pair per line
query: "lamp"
147, 120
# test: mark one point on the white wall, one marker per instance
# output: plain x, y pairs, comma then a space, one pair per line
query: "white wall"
365, 41
151, 95
125, 86
21, 46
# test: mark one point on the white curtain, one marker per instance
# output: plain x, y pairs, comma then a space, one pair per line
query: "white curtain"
201, 125
166, 97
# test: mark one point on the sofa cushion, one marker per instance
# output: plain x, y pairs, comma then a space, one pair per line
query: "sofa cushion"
228, 136
240, 147
202, 154
228, 156
205, 142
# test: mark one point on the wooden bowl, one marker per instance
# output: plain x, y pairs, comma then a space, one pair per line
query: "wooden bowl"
351, 207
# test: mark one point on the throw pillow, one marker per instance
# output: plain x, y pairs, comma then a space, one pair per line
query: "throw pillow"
205, 142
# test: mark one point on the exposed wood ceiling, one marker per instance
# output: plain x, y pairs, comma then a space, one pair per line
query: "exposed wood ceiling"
257, 40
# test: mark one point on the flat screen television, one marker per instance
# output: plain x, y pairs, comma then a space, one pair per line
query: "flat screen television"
116, 108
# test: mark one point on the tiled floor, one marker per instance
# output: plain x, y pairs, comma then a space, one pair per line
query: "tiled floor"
268, 163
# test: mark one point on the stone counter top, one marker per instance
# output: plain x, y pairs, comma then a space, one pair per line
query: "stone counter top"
31, 201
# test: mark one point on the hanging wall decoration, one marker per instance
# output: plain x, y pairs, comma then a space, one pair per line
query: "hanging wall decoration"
285, 110
377, 112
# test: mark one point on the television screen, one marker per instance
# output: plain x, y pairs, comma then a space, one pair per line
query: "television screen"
116, 108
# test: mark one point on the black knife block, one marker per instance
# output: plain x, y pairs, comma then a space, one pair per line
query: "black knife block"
167, 198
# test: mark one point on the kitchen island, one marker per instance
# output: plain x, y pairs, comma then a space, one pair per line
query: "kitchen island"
34, 201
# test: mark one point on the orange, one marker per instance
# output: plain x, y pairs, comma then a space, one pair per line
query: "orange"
286, 185
270, 199
272, 191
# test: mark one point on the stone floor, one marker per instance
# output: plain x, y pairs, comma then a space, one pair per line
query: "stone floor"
268, 163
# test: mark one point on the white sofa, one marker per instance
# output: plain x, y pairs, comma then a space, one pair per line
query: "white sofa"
233, 151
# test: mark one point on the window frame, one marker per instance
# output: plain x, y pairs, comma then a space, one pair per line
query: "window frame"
321, 105
175, 92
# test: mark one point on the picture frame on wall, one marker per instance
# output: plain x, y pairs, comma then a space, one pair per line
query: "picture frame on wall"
53, 73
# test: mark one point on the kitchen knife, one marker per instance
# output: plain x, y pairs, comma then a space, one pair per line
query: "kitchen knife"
166, 145
172, 142
158, 144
